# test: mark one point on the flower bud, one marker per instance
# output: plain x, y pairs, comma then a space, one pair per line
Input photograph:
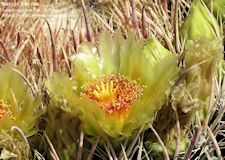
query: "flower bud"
200, 23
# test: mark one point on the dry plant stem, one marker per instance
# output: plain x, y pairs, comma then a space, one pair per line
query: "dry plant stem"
216, 146
93, 149
89, 35
176, 153
53, 151
54, 57
193, 142
80, 149
165, 152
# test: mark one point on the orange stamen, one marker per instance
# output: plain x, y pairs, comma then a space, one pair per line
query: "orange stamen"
114, 94
4, 109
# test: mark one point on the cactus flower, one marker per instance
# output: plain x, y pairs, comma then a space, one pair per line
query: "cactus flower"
18, 109
17, 106
114, 88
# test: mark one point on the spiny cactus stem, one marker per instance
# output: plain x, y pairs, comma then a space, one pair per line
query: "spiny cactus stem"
81, 142
176, 154
89, 35
165, 152
196, 136
93, 149
216, 146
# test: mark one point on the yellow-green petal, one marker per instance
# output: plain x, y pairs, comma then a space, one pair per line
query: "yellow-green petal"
155, 51
218, 7
86, 64
16, 96
199, 23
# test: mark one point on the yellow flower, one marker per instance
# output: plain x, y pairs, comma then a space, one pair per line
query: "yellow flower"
17, 105
116, 87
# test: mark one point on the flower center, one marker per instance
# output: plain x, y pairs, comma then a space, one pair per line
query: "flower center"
4, 110
114, 94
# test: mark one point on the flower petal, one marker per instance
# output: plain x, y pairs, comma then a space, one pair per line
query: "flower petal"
155, 51
86, 64
62, 90
108, 53
160, 77
14, 92
133, 61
